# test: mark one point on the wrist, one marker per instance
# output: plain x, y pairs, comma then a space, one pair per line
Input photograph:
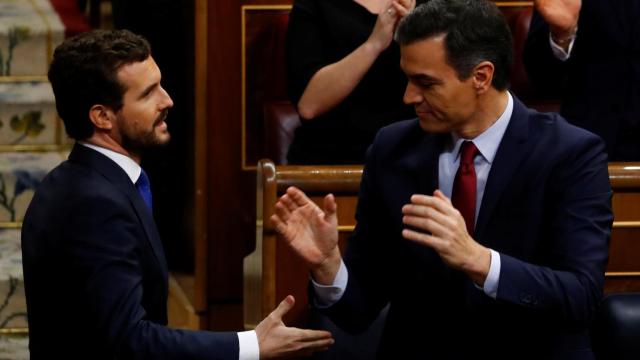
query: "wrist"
478, 266
563, 37
373, 47
325, 273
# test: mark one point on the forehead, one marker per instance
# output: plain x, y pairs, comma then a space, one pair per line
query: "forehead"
426, 57
139, 74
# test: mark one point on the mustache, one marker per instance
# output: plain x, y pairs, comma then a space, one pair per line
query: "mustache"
162, 117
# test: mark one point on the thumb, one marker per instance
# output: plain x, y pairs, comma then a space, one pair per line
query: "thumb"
330, 206
284, 307
441, 195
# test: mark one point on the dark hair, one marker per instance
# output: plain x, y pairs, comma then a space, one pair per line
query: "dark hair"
84, 71
475, 31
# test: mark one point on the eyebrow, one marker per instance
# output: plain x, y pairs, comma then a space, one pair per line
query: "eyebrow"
424, 77
147, 90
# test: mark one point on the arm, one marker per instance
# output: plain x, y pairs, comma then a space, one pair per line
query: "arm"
562, 17
312, 233
324, 86
557, 21
110, 247
570, 284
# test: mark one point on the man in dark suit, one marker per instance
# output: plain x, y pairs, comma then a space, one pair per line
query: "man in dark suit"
94, 267
586, 52
482, 223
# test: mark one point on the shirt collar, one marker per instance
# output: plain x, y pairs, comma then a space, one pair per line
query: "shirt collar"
130, 167
489, 140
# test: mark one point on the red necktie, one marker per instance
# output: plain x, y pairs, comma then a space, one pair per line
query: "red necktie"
464, 186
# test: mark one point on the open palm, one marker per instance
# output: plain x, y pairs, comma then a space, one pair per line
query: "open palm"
310, 231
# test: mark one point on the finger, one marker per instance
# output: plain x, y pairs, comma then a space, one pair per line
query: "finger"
284, 307
330, 206
278, 224
282, 211
435, 202
426, 224
298, 197
401, 10
311, 335
439, 194
317, 345
288, 202
422, 238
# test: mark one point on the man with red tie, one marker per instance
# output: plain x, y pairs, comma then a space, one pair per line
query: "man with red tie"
482, 223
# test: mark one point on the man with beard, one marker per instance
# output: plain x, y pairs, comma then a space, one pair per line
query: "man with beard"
94, 267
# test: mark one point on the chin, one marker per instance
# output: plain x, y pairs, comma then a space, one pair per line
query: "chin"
433, 127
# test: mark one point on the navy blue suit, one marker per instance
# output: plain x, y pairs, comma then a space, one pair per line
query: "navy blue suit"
95, 271
546, 209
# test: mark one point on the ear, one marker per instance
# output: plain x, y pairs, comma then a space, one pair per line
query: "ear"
483, 76
102, 117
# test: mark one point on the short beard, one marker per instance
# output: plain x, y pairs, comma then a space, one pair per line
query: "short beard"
137, 144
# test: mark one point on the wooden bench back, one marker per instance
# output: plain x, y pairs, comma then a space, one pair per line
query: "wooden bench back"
272, 271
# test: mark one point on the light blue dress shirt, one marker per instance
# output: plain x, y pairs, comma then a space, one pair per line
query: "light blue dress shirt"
448, 162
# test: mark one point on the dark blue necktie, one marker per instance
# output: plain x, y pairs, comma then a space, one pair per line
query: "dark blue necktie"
144, 188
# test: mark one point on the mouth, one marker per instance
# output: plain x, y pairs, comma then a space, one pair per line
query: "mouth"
161, 118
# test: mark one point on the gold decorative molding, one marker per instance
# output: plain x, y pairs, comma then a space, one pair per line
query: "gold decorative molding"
346, 228
33, 147
15, 331
615, 274
11, 225
626, 224
24, 78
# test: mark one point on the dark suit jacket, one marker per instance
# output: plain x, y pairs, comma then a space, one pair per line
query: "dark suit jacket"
600, 83
95, 271
546, 209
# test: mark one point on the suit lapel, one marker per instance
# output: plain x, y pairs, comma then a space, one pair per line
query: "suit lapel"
511, 152
426, 162
115, 175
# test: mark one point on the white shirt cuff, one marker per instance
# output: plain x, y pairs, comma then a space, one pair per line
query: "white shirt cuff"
248, 343
493, 278
327, 295
558, 51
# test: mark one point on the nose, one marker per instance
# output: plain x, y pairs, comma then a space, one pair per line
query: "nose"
412, 94
167, 102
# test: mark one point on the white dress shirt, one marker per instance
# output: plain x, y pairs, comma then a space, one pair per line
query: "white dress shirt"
558, 51
248, 340
448, 162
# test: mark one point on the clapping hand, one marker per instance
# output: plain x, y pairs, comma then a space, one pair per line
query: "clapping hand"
310, 231
561, 15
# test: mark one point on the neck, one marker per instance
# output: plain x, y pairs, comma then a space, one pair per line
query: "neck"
104, 140
490, 106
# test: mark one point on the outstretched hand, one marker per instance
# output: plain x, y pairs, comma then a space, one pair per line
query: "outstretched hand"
277, 341
311, 232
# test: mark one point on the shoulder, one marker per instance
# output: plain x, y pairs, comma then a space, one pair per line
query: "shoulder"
81, 188
398, 133
555, 132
